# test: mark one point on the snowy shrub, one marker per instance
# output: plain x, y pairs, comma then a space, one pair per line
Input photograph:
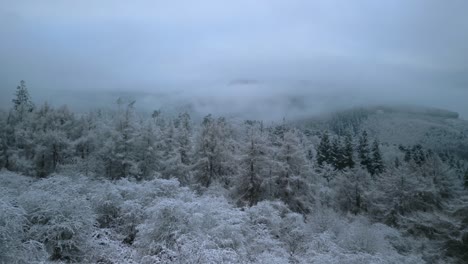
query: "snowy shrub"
221, 221
283, 233
210, 230
14, 245
352, 191
109, 249
326, 196
148, 192
262, 247
205, 225
293, 234
322, 219
168, 220
132, 214
106, 204
59, 217
21, 164
202, 249
362, 236
120, 205
12, 184
13, 221
322, 243
268, 214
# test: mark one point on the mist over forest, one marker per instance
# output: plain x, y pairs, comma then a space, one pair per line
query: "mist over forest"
233, 132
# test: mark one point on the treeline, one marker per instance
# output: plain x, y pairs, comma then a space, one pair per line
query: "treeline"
259, 161
256, 161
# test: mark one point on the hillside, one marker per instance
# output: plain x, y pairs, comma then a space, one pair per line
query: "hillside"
437, 129
122, 187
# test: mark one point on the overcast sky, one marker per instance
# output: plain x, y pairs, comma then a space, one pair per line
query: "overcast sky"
330, 52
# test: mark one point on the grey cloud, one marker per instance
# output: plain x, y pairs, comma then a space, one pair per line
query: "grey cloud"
329, 53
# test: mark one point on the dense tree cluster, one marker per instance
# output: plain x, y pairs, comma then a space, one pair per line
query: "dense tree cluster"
341, 153
167, 188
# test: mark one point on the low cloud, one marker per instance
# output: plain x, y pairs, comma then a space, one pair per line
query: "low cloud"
265, 58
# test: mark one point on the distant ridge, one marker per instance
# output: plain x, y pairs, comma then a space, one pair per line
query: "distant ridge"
419, 110
434, 128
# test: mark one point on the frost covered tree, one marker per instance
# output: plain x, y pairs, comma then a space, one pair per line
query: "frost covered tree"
337, 155
353, 191
86, 144
293, 208
183, 136
292, 171
177, 149
53, 132
17, 134
22, 103
178, 161
206, 153
324, 150
363, 151
418, 155
377, 165
20, 148
444, 178
169, 149
277, 131
52, 149
148, 154
348, 152
254, 167
229, 151
118, 151
215, 153
393, 194
43, 142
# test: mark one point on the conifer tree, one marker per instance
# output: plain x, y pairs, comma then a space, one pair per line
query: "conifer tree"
171, 165
254, 167
207, 153
348, 158
119, 151
324, 150
293, 188
418, 154
176, 149
149, 156
377, 165
22, 103
183, 137
277, 133
363, 151
336, 154
86, 144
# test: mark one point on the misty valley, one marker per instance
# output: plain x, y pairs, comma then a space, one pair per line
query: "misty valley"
370, 184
